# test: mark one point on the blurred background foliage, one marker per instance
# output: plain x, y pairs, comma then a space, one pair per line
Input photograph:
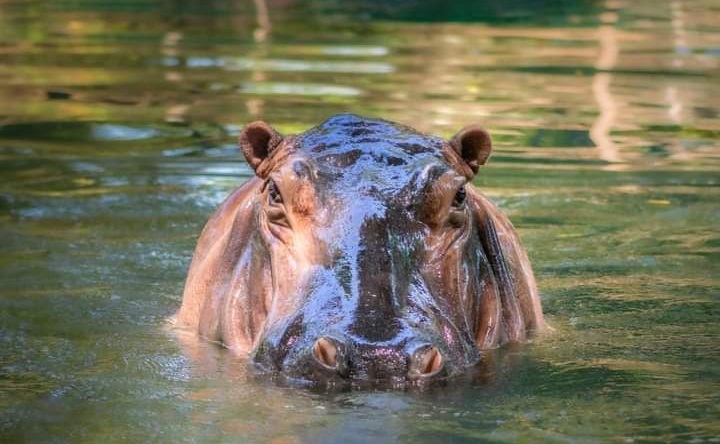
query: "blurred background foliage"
118, 122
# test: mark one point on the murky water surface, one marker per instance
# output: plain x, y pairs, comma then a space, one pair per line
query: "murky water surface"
117, 128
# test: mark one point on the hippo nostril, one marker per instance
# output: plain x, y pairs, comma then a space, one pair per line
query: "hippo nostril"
426, 361
326, 352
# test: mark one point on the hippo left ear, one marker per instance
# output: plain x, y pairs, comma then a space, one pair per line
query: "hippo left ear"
258, 141
473, 145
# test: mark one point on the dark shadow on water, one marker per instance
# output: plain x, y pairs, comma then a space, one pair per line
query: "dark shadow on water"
466, 11
555, 12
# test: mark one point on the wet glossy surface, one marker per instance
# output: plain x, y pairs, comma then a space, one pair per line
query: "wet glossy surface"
116, 142
360, 254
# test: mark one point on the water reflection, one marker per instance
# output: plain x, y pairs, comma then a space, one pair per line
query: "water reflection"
607, 58
263, 20
117, 140
302, 89
242, 64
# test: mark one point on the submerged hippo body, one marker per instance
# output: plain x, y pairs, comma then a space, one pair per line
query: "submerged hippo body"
360, 252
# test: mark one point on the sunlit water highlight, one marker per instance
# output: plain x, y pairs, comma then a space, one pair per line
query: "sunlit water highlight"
117, 131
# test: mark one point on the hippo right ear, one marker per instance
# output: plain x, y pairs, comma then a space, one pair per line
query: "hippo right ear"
473, 145
258, 141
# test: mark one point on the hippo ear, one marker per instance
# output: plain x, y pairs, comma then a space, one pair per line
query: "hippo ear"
258, 140
473, 145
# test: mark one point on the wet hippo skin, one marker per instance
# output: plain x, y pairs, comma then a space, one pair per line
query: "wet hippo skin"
360, 252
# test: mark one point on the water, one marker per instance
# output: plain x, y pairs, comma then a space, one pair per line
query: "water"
117, 128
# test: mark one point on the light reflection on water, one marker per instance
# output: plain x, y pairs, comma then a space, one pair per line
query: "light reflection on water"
117, 140
242, 64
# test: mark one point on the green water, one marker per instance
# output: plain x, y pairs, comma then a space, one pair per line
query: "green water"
117, 128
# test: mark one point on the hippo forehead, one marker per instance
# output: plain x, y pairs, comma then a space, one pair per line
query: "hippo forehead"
361, 153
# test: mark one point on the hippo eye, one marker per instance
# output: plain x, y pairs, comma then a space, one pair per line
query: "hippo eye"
275, 209
274, 196
460, 197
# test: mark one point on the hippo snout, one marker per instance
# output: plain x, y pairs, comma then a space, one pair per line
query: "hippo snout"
329, 358
377, 361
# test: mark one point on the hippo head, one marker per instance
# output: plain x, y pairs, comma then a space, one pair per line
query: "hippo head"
361, 253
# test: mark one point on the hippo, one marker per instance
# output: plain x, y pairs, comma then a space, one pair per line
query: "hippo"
361, 252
